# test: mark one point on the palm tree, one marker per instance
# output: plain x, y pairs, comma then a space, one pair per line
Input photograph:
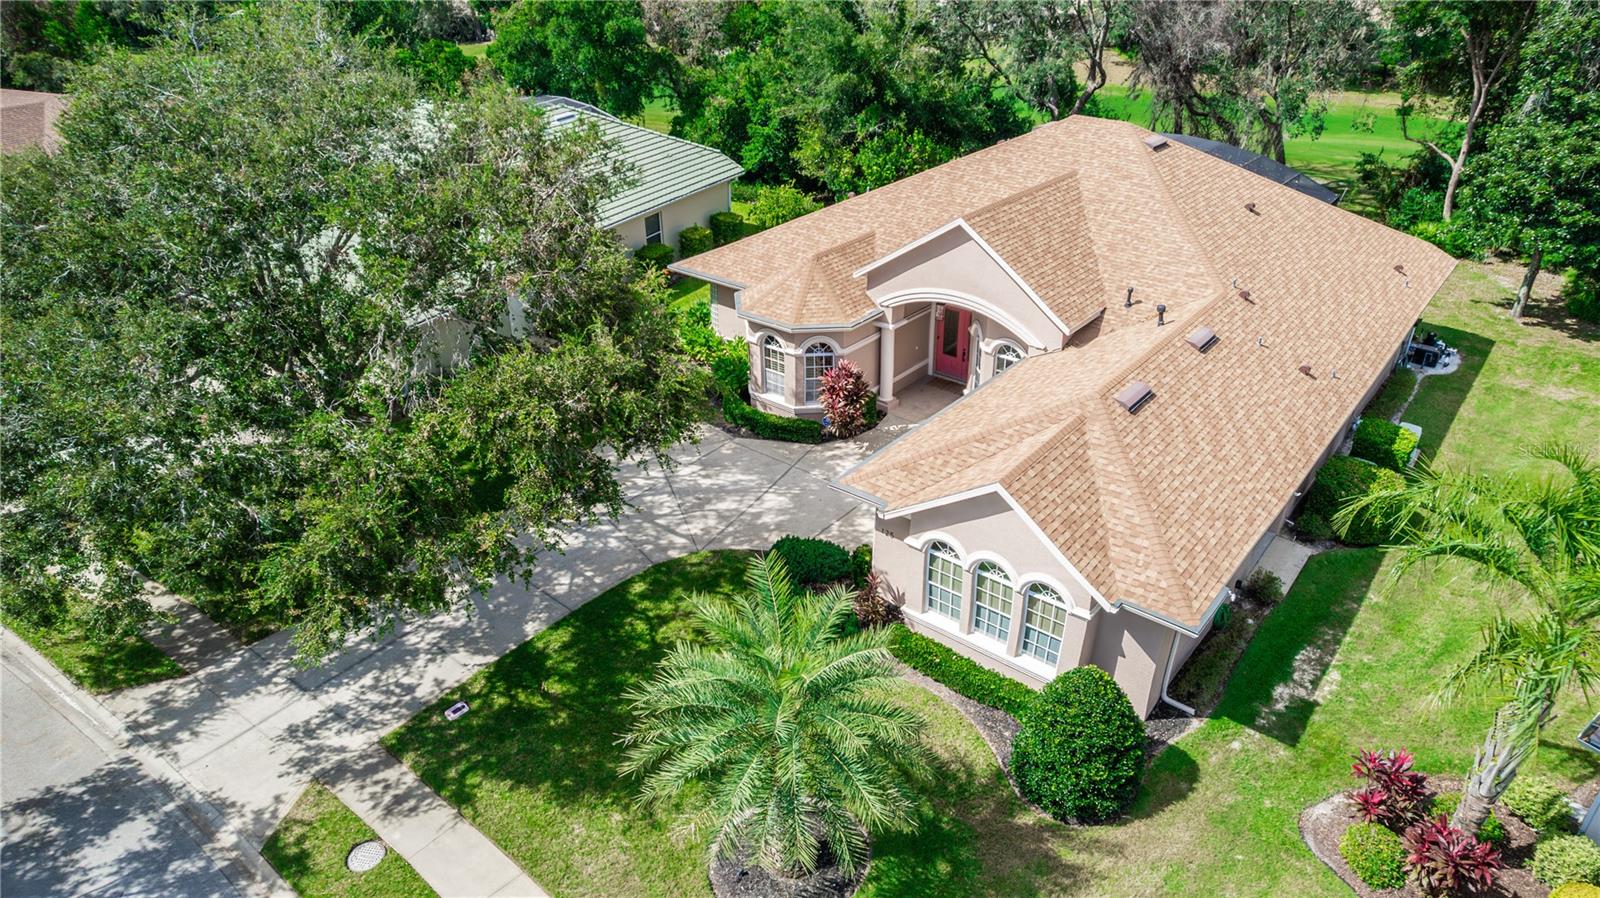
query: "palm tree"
1541, 538
783, 714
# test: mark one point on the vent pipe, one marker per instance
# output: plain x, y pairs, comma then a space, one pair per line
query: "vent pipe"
1161, 315
1128, 303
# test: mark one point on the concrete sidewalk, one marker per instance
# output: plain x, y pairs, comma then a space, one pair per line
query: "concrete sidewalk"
250, 731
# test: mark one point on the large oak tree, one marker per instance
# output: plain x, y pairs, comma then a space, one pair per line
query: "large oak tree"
214, 300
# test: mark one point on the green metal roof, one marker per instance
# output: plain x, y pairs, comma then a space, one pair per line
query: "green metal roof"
665, 168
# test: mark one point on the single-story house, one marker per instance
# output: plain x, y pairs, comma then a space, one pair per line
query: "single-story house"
675, 185
678, 184
28, 119
1157, 349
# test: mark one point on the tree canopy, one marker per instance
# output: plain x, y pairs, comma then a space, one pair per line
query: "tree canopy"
217, 308
594, 52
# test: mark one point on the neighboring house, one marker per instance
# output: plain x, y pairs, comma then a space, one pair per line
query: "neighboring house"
28, 119
677, 184
1182, 342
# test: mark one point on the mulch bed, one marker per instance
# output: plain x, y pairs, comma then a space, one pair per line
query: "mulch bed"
1322, 824
733, 878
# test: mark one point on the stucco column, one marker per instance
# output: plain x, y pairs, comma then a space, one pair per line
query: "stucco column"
886, 368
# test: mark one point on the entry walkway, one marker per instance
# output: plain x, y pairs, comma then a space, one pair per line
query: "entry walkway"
249, 731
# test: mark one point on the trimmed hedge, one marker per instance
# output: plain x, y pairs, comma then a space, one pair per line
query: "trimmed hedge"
1562, 859
1383, 443
1492, 831
654, 255
1375, 854
1344, 478
1539, 802
1080, 752
1576, 890
813, 562
694, 240
963, 675
767, 426
726, 227
860, 564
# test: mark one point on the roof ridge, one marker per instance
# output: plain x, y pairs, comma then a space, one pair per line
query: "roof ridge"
1070, 174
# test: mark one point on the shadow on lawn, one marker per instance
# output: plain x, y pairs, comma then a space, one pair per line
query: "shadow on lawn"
1169, 780
1275, 689
548, 714
1440, 397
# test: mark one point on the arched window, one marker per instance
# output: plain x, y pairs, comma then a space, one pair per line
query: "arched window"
1005, 355
772, 366
819, 360
1044, 619
991, 600
944, 581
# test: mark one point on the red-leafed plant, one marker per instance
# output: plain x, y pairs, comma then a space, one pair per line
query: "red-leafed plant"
1395, 793
844, 396
1443, 859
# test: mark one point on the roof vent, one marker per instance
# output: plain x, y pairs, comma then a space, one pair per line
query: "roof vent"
1202, 338
1155, 141
1134, 396
1161, 314
1251, 208
1245, 295
1400, 269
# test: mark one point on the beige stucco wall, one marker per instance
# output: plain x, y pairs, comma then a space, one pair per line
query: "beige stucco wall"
694, 209
724, 320
952, 266
1134, 650
858, 344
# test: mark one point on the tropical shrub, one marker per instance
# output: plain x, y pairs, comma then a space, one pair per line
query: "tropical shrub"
1344, 478
1539, 802
779, 203
1262, 587
1375, 854
1492, 830
782, 711
844, 398
1314, 527
1453, 237
654, 255
1383, 443
1080, 751
694, 240
1443, 859
873, 609
860, 564
961, 674
726, 227
1394, 792
1564, 859
738, 412
1576, 890
813, 562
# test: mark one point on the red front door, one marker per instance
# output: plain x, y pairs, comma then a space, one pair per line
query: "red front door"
951, 331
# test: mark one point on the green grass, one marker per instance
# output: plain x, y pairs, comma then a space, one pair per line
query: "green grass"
1392, 398
687, 293
309, 847
96, 666
657, 116
475, 51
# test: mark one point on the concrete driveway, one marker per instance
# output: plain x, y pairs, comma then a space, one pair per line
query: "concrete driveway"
249, 731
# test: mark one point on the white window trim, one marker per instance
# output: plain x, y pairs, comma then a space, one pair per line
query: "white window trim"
1010, 616
806, 399
928, 585
661, 228
767, 372
995, 356
1023, 598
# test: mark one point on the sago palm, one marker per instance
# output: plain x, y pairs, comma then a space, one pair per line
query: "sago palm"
1537, 536
783, 714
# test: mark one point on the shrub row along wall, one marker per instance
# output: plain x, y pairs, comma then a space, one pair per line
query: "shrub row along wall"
963, 675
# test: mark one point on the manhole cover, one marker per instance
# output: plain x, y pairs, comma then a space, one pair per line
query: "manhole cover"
365, 856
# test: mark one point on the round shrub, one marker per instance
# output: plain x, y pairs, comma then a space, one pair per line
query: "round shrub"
1383, 443
1576, 890
726, 227
1375, 854
694, 240
813, 562
1080, 751
1564, 859
1539, 802
654, 255
1492, 831
1341, 479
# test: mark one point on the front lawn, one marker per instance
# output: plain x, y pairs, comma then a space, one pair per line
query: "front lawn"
308, 849
97, 666
1346, 661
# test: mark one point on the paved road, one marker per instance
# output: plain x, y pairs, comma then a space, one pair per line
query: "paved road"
81, 815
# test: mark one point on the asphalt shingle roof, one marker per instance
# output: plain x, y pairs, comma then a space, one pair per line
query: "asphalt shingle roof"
666, 168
